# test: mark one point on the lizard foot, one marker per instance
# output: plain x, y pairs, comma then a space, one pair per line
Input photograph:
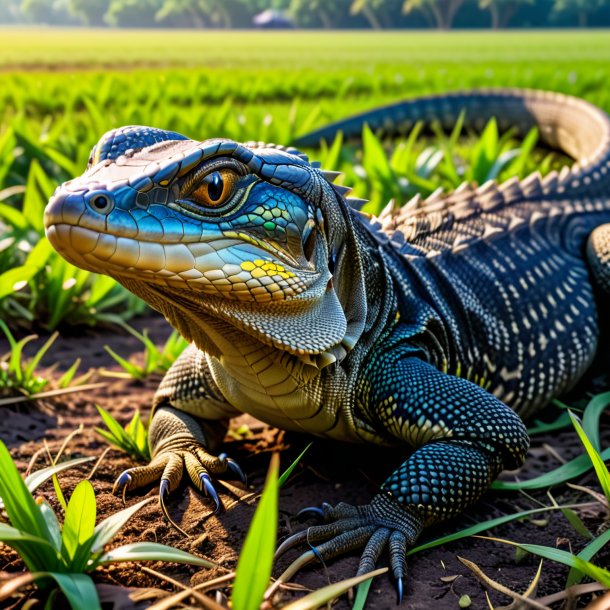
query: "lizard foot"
375, 526
168, 465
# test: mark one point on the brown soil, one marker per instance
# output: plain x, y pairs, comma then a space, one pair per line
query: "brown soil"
329, 472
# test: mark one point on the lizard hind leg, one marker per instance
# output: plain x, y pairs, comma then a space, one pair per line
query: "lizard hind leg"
598, 255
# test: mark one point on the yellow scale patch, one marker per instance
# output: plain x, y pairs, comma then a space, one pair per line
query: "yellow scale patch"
260, 268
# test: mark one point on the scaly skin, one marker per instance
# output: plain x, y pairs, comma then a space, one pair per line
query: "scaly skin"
431, 327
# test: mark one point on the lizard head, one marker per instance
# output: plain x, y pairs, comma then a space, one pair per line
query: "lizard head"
244, 234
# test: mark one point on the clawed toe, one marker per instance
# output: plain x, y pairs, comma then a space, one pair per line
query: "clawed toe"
310, 512
376, 526
208, 489
233, 469
122, 483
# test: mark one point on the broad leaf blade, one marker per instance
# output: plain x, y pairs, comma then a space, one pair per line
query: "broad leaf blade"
152, 551
22, 510
79, 523
79, 590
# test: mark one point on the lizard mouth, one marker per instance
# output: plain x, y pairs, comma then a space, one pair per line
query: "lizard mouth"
224, 266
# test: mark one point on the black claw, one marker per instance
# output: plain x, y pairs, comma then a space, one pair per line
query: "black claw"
163, 489
122, 483
233, 468
208, 490
290, 542
399, 590
310, 512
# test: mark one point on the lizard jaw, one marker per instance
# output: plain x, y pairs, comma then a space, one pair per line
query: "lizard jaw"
197, 266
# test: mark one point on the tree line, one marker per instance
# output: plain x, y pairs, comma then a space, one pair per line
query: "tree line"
377, 14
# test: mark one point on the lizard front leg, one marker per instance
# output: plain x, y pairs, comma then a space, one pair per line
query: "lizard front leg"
463, 437
188, 424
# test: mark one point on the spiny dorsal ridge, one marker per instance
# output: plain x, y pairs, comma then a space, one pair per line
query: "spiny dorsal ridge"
489, 196
342, 190
564, 173
511, 189
330, 175
388, 210
434, 196
465, 187
413, 204
491, 186
532, 185
356, 203
463, 192
550, 181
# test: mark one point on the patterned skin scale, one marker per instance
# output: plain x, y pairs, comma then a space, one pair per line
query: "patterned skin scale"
432, 327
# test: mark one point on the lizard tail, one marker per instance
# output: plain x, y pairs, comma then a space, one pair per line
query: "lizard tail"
566, 123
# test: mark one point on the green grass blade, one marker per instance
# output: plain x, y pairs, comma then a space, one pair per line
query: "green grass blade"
478, 528
36, 479
598, 463
79, 522
284, 477
35, 361
575, 575
540, 427
362, 592
152, 551
115, 429
590, 418
66, 379
256, 558
15, 279
563, 473
599, 574
134, 370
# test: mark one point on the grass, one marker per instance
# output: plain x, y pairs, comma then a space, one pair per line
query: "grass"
294, 50
21, 377
65, 554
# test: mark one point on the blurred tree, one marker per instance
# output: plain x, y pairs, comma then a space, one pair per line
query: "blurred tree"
132, 13
379, 13
502, 11
368, 8
44, 11
329, 14
440, 12
582, 8
219, 13
90, 12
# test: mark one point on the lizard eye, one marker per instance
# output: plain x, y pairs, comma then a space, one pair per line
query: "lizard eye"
215, 188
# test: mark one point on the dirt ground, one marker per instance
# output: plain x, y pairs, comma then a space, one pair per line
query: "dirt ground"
329, 472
